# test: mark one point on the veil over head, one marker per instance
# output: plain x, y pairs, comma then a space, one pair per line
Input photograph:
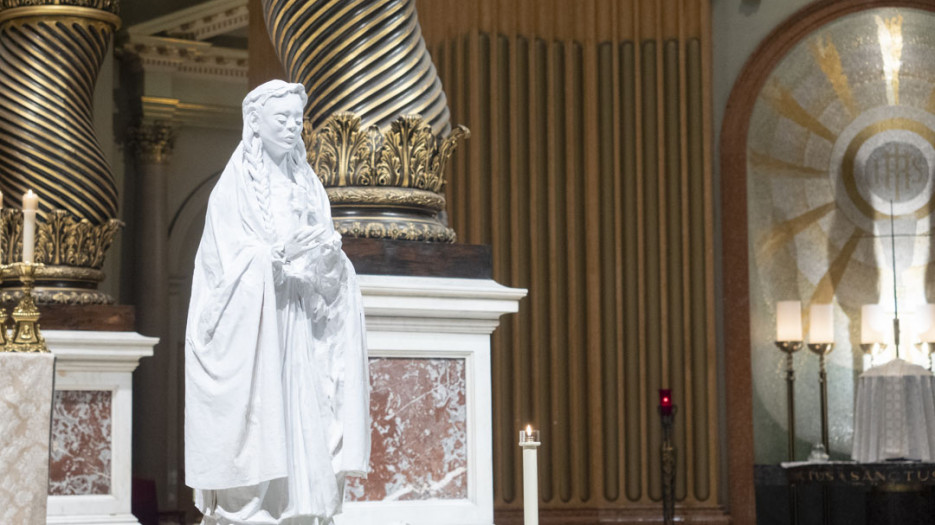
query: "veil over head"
256, 98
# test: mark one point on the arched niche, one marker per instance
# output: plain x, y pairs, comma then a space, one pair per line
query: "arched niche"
829, 93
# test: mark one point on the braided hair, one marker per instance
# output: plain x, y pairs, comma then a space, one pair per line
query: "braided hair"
253, 145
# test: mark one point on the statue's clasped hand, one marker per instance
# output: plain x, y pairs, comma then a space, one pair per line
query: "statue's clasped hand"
304, 239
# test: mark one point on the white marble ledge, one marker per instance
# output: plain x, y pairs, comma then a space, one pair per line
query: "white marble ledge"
437, 297
102, 519
81, 350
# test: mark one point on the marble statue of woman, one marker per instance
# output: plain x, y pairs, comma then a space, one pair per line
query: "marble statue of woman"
276, 380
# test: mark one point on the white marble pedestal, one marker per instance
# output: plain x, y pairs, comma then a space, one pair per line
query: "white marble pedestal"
89, 475
429, 341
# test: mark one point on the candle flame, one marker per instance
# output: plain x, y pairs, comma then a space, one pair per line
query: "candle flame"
528, 430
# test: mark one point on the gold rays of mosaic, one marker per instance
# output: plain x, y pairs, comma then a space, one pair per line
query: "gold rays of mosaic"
869, 89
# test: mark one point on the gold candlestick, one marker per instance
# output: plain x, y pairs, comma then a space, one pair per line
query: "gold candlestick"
822, 350
872, 348
929, 348
26, 334
789, 348
4, 341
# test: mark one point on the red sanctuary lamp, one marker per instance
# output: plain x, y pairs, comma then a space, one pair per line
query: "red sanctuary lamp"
667, 454
665, 401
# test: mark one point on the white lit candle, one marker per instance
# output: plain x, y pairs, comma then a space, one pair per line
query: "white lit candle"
926, 318
821, 324
871, 324
529, 441
788, 321
30, 205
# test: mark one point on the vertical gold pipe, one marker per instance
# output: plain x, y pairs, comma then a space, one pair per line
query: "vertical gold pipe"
711, 341
686, 347
673, 205
539, 303
618, 320
699, 347
575, 254
519, 244
642, 288
590, 252
661, 23
651, 235
459, 191
561, 276
631, 265
607, 277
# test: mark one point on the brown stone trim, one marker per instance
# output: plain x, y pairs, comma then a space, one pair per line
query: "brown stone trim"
733, 161
97, 317
423, 259
642, 515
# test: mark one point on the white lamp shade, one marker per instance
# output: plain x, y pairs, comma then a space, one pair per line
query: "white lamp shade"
789, 321
926, 320
872, 324
821, 323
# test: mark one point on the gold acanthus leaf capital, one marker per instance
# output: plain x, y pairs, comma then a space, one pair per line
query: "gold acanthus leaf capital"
11, 235
63, 239
407, 155
151, 142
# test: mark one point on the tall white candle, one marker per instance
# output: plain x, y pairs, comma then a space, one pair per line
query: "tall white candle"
529, 441
872, 324
821, 323
789, 321
30, 205
926, 318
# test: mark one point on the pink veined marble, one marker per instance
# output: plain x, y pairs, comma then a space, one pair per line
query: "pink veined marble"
419, 431
81, 443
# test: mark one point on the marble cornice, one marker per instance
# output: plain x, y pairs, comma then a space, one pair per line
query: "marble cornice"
184, 114
188, 57
199, 22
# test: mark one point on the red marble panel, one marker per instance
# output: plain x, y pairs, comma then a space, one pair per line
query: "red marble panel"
419, 431
81, 443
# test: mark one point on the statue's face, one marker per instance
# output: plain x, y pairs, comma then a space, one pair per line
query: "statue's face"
279, 124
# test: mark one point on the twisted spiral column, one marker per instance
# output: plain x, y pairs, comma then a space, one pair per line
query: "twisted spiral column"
50, 57
361, 56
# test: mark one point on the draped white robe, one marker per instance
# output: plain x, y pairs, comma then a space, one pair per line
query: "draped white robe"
277, 402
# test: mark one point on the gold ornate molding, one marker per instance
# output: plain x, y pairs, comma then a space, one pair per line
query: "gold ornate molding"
374, 196
71, 252
111, 6
377, 227
152, 143
384, 184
